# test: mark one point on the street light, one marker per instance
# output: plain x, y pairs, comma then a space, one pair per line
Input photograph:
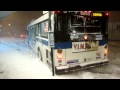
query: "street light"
0, 25
9, 24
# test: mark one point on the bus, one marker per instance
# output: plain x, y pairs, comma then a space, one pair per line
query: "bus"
70, 40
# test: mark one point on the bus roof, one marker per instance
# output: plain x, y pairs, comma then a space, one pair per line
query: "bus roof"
40, 19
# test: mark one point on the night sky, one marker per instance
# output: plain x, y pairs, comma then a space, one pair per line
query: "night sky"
17, 22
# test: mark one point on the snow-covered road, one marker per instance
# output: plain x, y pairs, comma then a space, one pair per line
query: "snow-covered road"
18, 61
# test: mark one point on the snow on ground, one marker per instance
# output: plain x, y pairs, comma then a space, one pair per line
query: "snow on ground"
18, 61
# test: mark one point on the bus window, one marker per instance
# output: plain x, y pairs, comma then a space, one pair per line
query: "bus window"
30, 31
61, 28
93, 25
77, 20
44, 29
37, 30
33, 32
77, 23
92, 22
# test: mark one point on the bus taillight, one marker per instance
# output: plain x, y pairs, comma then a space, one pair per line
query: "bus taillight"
107, 14
59, 51
105, 51
59, 57
56, 12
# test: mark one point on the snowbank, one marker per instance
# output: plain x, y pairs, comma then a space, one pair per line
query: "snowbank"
17, 61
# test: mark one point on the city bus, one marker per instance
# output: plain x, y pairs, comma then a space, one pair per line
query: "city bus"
70, 40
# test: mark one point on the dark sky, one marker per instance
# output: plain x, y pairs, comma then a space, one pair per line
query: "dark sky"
18, 22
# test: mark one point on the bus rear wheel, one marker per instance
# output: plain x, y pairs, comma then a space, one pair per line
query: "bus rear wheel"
39, 55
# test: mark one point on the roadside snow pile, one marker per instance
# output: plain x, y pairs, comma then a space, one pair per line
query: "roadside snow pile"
18, 61
87, 75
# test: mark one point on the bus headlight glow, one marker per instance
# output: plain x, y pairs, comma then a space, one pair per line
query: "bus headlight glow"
59, 57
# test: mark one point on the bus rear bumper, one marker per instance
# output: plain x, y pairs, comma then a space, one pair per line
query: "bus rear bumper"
75, 67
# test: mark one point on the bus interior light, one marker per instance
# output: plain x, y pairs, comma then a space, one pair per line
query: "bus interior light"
85, 37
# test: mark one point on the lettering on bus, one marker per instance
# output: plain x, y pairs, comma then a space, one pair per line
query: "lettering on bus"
78, 46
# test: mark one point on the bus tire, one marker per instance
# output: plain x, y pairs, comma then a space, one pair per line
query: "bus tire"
39, 54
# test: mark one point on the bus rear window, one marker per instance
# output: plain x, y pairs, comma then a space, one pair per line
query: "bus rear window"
93, 25
77, 20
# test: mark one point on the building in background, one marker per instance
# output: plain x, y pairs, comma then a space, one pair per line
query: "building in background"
114, 25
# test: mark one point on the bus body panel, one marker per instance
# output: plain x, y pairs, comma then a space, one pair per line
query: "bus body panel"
78, 57
42, 44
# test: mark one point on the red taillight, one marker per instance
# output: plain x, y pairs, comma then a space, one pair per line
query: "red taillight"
56, 12
59, 57
107, 14
21, 35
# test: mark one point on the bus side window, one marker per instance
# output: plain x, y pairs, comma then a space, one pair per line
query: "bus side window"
34, 32
44, 29
37, 30
31, 32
